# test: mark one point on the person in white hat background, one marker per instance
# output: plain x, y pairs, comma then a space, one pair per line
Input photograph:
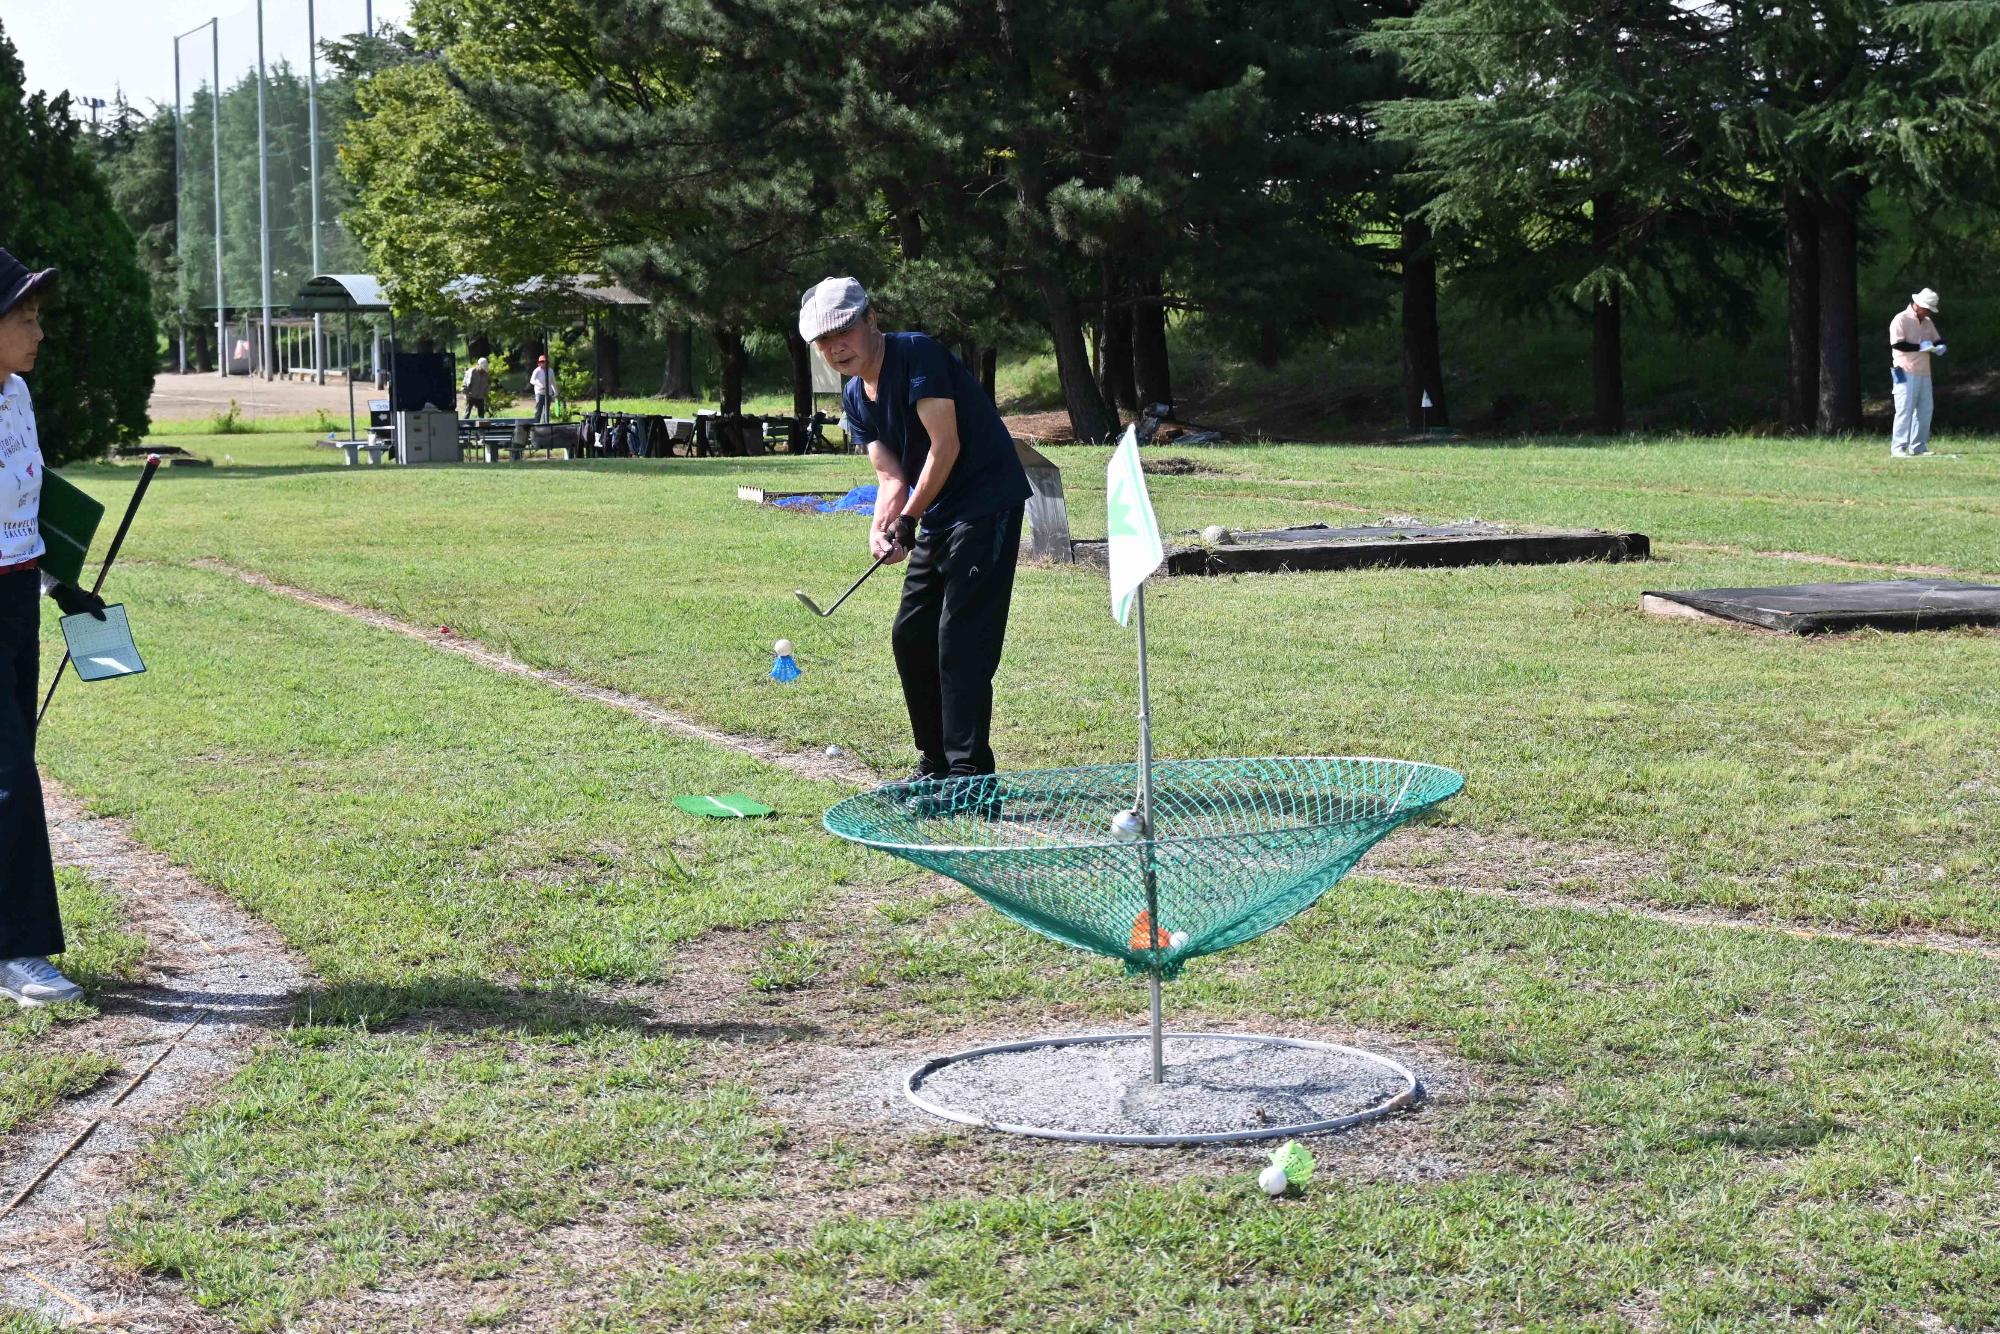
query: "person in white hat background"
30, 921
1913, 341
950, 497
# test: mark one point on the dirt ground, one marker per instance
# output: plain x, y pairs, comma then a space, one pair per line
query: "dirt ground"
180, 397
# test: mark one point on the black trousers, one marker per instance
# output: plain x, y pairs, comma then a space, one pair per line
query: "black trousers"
948, 636
29, 922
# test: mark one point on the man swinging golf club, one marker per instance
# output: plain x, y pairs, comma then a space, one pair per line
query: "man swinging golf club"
950, 498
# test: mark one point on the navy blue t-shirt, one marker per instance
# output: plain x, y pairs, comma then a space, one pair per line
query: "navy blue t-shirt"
988, 476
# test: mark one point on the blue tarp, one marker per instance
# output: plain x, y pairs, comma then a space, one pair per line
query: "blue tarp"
861, 500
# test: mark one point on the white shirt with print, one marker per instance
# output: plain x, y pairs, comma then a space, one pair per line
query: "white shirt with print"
20, 476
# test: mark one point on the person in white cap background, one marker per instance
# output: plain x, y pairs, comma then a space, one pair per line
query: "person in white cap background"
951, 492
1913, 341
30, 920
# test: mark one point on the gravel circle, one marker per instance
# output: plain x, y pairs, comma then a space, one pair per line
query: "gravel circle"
1214, 1086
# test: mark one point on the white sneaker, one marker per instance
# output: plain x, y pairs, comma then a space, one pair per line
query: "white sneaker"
32, 981
1919, 449
1898, 452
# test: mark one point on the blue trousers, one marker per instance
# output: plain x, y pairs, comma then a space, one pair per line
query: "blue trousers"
29, 921
1913, 398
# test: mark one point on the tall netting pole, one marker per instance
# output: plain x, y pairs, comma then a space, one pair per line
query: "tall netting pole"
312, 156
180, 249
1146, 834
263, 205
215, 149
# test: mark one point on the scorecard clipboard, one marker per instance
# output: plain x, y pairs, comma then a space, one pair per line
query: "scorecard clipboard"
69, 519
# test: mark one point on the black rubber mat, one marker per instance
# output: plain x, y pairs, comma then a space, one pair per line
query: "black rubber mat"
1811, 609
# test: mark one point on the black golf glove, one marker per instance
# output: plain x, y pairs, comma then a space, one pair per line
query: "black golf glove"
75, 601
906, 533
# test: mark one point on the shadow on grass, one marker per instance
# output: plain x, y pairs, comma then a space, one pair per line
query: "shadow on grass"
470, 1005
1773, 1137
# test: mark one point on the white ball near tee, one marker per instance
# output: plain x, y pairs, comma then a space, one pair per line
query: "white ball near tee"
783, 648
1273, 1180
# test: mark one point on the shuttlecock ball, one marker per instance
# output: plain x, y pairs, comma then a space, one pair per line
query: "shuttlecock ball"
1273, 1180
1295, 1161
783, 648
1128, 826
1215, 535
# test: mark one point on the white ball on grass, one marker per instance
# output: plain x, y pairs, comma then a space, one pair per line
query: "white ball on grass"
1215, 535
834, 752
1273, 1181
783, 648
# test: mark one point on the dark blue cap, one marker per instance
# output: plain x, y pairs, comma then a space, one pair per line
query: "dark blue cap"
18, 282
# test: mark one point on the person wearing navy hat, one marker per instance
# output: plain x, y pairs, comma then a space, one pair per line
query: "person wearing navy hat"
30, 924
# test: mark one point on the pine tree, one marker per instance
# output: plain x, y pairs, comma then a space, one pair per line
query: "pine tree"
1564, 151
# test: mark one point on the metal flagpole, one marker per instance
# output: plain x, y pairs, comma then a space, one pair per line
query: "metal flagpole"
263, 204
312, 155
1146, 832
215, 150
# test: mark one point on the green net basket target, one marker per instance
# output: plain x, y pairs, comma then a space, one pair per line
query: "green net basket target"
1152, 863
1239, 846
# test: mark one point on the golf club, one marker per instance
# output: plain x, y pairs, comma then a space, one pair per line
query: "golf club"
813, 607
110, 554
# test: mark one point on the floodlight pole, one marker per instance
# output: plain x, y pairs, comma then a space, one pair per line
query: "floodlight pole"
179, 248
263, 204
1146, 832
312, 156
215, 149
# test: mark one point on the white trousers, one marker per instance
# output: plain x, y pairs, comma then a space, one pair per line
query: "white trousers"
1913, 410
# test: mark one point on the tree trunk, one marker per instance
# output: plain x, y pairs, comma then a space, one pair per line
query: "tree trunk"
1839, 325
1607, 366
1607, 352
989, 366
479, 345
1801, 311
677, 376
734, 361
802, 372
1423, 356
204, 343
605, 351
1089, 419
1270, 344
1114, 365
1151, 374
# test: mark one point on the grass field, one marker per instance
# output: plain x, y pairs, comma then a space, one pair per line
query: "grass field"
536, 1088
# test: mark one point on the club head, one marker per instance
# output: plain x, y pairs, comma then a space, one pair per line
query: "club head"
811, 606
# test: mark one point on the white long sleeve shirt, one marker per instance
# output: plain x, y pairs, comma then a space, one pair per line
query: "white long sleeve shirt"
542, 381
20, 476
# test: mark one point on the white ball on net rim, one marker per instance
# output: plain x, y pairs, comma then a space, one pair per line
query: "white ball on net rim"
1177, 939
783, 648
1127, 827
1273, 1180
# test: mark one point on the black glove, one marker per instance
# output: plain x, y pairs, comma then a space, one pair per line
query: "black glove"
906, 533
74, 601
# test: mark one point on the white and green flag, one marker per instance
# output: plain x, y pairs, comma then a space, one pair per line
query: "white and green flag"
1134, 533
